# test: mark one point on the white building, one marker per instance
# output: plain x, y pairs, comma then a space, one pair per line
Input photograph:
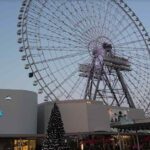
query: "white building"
84, 116
23, 120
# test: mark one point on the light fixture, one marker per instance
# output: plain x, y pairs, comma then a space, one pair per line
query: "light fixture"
88, 102
82, 146
8, 98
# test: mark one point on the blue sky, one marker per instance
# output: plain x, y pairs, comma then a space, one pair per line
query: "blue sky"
13, 75
12, 72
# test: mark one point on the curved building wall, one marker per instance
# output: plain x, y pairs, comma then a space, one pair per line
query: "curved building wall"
18, 112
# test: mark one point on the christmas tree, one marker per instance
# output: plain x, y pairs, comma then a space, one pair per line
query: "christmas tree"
55, 132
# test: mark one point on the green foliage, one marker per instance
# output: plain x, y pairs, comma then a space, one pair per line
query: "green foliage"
55, 132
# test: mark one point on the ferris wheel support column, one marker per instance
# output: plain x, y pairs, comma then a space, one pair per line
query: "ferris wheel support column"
111, 89
98, 82
125, 89
88, 90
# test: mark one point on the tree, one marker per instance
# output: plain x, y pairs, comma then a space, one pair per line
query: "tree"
55, 132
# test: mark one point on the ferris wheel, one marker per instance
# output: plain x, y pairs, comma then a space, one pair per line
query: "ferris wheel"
86, 49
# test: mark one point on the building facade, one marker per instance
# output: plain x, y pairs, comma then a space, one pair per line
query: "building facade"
18, 118
84, 116
23, 122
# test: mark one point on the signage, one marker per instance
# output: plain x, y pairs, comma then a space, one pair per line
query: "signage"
1, 113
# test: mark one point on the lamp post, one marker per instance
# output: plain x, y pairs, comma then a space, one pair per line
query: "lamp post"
137, 139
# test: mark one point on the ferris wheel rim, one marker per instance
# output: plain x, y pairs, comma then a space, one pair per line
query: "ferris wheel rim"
31, 61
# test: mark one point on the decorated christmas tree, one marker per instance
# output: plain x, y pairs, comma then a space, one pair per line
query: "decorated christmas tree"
55, 132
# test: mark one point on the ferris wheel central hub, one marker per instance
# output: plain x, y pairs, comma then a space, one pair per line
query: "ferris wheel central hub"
99, 47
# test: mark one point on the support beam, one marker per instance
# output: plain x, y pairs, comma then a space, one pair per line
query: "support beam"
90, 81
125, 89
137, 140
98, 82
111, 89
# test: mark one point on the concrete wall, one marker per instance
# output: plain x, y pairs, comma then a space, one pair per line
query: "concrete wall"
19, 110
78, 116
135, 114
81, 116
44, 111
74, 116
98, 117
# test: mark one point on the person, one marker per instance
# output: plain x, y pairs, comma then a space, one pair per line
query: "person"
117, 147
116, 120
119, 116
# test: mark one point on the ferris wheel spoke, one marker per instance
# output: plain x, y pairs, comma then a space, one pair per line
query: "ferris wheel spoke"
87, 21
99, 17
147, 108
131, 42
65, 80
120, 32
139, 100
59, 58
131, 82
75, 87
57, 18
60, 48
75, 17
104, 19
125, 37
80, 87
33, 55
143, 66
70, 64
39, 70
137, 59
69, 9
91, 19
88, 34
133, 54
132, 49
62, 57
47, 84
41, 77
118, 23
60, 42
51, 14
84, 22
135, 78
109, 30
82, 90
58, 31
139, 92
108, 20
34, 40
62, 90
133, 58
56, 38
113, 24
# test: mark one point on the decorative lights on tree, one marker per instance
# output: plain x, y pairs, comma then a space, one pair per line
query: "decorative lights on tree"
55, 132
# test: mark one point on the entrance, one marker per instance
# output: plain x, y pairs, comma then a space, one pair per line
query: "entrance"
21, 144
